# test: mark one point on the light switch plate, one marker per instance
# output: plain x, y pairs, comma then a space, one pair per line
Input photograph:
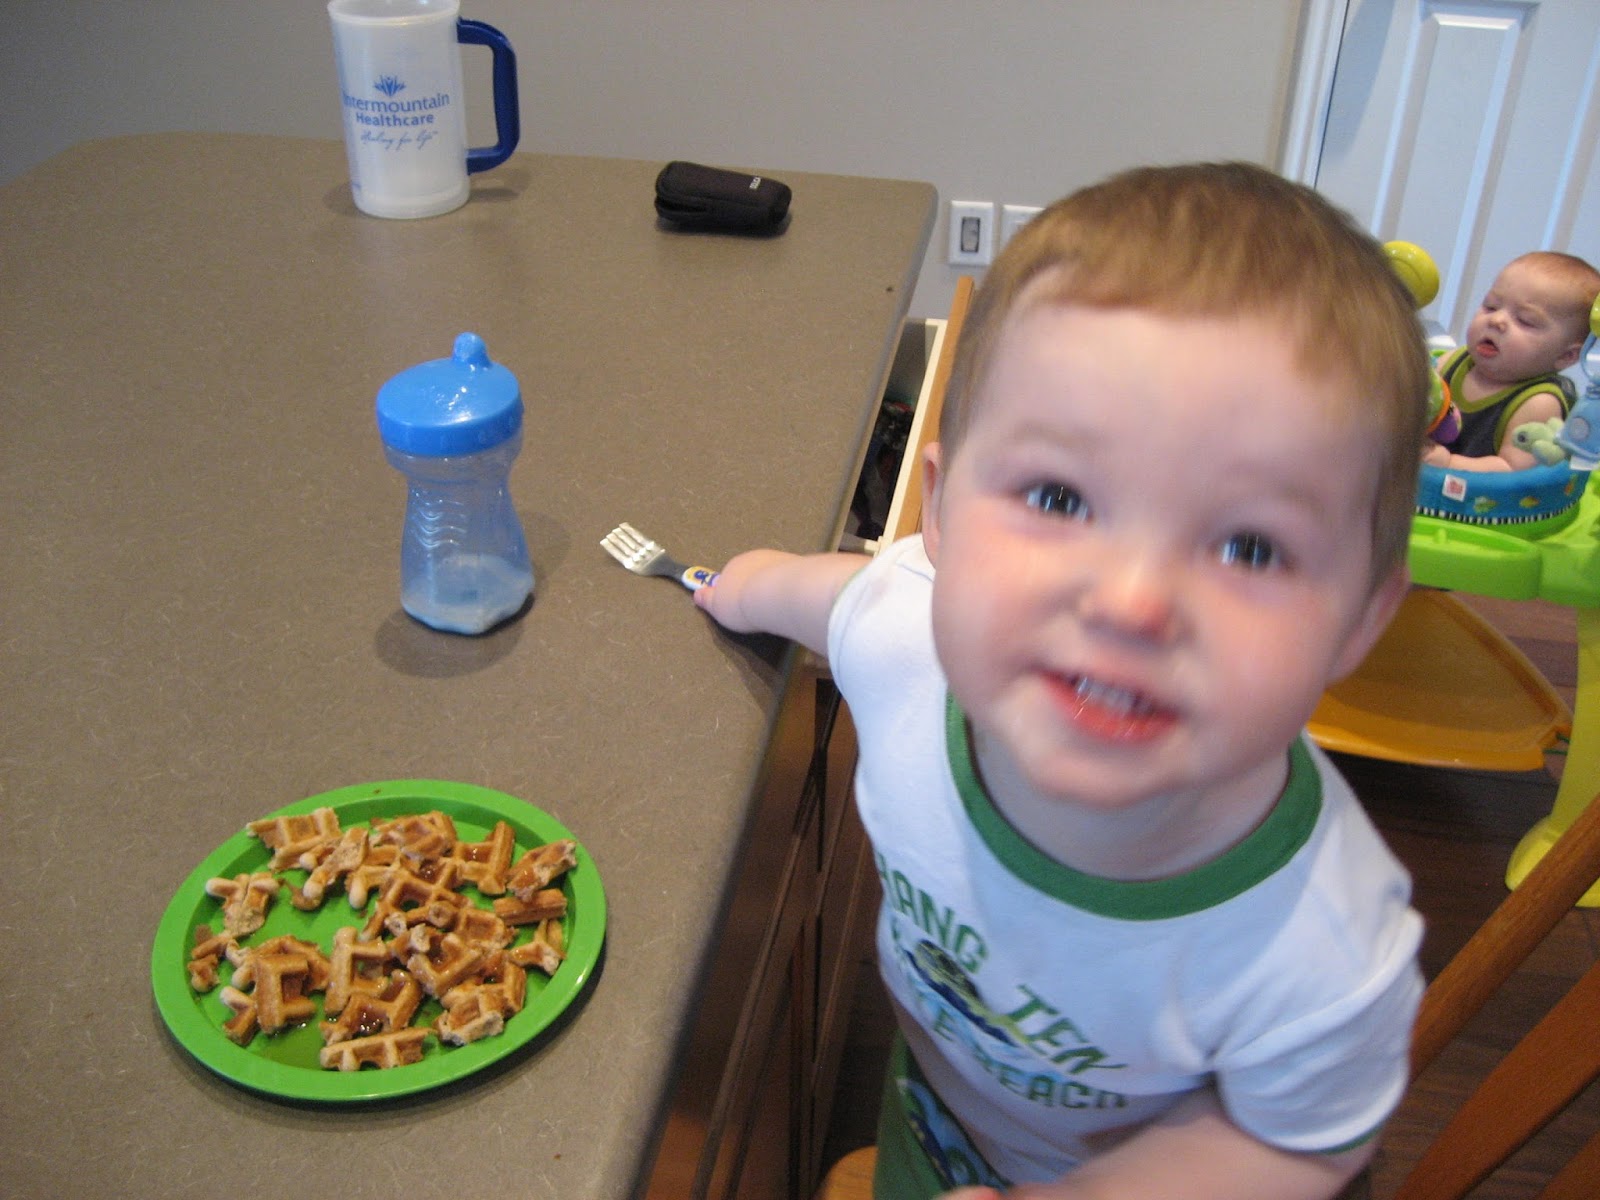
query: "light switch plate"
971, 233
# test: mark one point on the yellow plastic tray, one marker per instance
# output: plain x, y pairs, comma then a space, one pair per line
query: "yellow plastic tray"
1443, 688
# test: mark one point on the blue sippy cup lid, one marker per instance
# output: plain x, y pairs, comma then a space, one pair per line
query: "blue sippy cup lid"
456, 405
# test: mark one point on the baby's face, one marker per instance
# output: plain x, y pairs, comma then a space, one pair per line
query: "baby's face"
1521, 329
1153, 552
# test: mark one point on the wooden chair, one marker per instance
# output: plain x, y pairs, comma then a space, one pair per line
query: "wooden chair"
1556, 1060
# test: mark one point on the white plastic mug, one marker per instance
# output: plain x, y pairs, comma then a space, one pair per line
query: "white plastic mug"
400, 88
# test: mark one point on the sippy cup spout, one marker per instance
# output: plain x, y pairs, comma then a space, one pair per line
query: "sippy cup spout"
470, 351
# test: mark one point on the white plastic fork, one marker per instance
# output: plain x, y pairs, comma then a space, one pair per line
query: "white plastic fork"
644, 556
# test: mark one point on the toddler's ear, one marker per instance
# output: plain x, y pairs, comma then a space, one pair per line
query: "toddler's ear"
1380, 608
1569, 355
932, 488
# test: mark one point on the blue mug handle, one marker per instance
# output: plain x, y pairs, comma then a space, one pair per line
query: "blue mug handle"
507, 118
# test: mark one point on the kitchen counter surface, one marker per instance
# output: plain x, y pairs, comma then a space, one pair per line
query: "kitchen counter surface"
200, 616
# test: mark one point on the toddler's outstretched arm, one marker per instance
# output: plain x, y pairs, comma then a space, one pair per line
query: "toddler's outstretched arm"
770, 591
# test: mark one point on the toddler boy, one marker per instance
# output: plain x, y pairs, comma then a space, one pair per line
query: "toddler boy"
1140, 937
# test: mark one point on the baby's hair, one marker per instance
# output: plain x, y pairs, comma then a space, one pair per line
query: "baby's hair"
1226, 240
1575, 280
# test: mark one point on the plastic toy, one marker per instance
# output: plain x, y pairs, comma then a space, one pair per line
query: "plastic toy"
1542, 439
1416, 269
1581, 433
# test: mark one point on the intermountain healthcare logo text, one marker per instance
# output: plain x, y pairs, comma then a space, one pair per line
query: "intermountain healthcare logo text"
390, 112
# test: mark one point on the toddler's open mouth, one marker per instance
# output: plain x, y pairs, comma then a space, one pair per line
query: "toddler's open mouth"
1485, 348
1112, 712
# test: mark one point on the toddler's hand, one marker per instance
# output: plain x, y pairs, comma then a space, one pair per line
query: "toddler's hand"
724, 597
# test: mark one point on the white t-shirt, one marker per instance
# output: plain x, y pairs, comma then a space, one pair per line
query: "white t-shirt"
1054, 1012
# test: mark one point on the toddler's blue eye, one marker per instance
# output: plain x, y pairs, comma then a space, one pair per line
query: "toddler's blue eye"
1252, 551
1057, 498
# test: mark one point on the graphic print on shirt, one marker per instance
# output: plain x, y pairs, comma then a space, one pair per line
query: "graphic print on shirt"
1010, 1028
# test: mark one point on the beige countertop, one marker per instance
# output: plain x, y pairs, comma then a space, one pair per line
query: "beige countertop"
200, 612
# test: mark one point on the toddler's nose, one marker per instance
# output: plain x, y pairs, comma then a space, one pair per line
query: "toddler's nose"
1134, 598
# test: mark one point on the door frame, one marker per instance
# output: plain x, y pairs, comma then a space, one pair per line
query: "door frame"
1311, 93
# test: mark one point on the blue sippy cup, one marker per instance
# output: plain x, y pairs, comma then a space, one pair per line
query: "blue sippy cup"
453, 426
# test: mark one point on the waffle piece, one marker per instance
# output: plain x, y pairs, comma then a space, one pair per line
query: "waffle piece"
337, 862
485, 864
383, 1012
482, 927
280, 991
410, 899
290, 838
438, 960
355, 968
385, 1050
282, 974
541, 866
419, 838
245, 899
372, 874
209, 949
480, 1008
545, 951
241, 1028
539, 906
317, 965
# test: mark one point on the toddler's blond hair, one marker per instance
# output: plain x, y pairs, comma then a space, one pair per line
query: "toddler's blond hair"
1227, 239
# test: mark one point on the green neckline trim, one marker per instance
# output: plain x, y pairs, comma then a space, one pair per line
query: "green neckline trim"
1272, 844
1454, 372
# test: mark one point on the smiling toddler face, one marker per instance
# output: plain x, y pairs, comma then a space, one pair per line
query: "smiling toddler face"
1153, 549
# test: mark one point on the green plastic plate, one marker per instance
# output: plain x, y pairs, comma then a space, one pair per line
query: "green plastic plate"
286, 1064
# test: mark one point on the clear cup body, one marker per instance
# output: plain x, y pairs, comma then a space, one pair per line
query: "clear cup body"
464, 564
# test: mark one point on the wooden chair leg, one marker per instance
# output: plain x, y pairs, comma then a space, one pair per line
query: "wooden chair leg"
1577, 1179
1506, 938
1557, 1060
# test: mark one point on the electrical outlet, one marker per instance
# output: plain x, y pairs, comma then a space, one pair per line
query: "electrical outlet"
1013, 217
971, 233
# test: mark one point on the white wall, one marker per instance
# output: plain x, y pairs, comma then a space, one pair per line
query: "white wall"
1015, 101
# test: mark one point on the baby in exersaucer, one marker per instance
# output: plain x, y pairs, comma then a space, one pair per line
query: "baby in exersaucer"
1505, 381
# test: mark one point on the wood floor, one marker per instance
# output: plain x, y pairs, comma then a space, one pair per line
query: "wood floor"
1455, 831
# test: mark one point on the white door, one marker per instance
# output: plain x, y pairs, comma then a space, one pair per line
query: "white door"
1468, 127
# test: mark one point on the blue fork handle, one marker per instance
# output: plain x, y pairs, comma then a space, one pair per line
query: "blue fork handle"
507, 116
696, 578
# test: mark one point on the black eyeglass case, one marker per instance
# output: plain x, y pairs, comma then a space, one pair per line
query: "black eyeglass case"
692, 196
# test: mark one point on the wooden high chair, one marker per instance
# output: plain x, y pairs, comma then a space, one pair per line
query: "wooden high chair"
1534, 1082
1548, 1067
